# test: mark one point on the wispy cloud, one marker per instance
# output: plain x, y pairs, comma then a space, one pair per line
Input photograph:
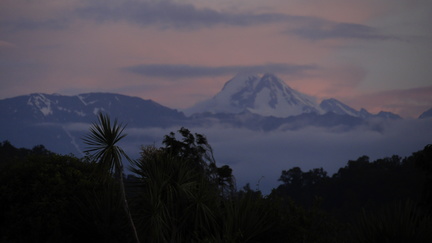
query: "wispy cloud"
31, 24
169, 14
183, 71
321, 30
173, 14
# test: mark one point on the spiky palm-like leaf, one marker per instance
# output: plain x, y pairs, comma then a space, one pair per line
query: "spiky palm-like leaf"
102, 146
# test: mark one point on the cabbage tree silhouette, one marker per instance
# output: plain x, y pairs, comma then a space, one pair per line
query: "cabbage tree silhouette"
102, 143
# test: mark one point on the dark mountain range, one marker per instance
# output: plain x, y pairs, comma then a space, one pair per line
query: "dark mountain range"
254, 102
59, 121
43, 108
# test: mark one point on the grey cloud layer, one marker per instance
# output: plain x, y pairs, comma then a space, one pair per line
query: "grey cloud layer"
182, 71
168, 14
330, 30
256, 155
25, 24
175, 15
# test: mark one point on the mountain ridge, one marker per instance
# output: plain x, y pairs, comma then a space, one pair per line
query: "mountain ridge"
59, 121
40, 107
268, 95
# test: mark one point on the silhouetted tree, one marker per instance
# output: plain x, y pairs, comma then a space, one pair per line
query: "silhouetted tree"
196, 149
37, 197
174, 201
102, 143
423, 160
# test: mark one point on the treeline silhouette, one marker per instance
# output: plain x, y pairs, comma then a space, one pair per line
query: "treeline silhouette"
177, 193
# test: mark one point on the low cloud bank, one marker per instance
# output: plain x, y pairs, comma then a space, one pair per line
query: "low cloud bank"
259, 157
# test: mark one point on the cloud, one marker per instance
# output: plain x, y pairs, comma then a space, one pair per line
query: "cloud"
321, 30
161, 13
30, 24
188, 71
169, 14
261, 156
254, 155
172, 14
77, 127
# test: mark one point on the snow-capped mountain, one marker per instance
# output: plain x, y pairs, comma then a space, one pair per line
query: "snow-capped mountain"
265, 95
259, 103
268, 95
59, 122
54, 108
337, 107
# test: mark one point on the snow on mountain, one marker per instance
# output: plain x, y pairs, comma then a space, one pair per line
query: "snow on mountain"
59, 122
268, 95
337, 107
259, 103
386, 115
54, 108
265, 95
41, 103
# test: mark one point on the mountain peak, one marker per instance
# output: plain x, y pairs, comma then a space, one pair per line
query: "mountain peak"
265, 95
337, 107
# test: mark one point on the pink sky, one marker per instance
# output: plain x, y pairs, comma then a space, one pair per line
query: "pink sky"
371, 54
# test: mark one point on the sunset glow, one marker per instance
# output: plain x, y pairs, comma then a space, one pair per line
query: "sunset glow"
369, 54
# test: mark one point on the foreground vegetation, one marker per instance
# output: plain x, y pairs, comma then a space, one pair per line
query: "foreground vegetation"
177, 193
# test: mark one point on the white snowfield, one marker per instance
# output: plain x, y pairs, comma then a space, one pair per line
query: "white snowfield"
265, 95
